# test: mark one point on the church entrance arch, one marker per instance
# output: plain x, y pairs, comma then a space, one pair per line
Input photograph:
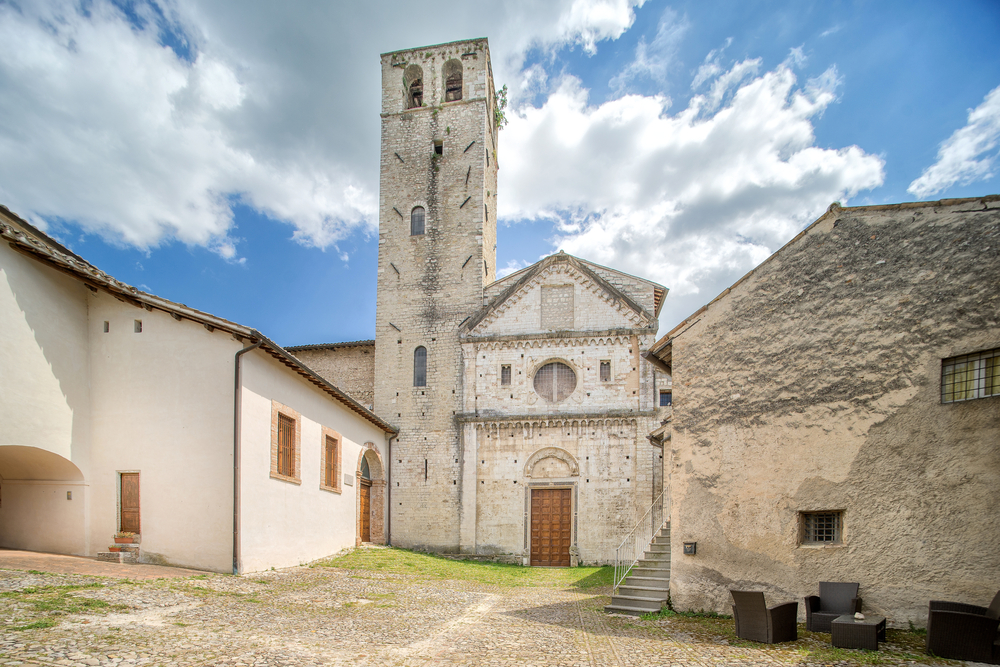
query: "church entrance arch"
371, 496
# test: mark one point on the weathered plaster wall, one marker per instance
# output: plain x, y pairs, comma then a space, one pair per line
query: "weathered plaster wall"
815, 385
287, 523
45, 407
428, 284
163, 405
348, 366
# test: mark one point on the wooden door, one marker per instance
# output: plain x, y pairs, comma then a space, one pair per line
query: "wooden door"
551, 524
130, 502
366, 511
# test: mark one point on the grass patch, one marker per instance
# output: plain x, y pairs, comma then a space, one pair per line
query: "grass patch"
430, 566
50, 602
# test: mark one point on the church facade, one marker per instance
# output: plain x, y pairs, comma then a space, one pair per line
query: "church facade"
523, 404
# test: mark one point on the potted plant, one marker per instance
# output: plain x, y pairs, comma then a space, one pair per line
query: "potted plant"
125, 537
115, 548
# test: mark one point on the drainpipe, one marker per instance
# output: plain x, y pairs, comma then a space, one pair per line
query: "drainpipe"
237, 412
388, 500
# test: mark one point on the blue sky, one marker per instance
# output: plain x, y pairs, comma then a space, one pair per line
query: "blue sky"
226, 156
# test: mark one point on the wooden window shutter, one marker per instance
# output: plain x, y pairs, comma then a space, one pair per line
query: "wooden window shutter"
286, 446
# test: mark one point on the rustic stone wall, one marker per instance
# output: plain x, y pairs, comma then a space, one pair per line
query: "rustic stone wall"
348, 366
814, 384
428, 284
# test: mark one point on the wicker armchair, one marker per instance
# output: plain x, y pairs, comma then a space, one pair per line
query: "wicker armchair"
964, 631
835, 598
755, 621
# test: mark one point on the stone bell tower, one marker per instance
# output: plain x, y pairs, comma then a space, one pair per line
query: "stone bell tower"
437, 249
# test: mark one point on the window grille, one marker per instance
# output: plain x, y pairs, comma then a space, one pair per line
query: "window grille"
331, 462
555, 381
970, 376
505, 374
417, 221
821, 527
286, 446
420, 367
666, 399
605, 371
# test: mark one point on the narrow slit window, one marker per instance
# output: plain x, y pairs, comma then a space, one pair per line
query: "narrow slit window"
138, 326
107, 326
417, 221
420, 367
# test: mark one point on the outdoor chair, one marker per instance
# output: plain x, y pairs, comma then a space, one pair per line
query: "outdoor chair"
757, 622
964, 631
836, 598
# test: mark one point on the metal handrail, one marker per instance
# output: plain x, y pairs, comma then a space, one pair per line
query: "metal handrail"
635, 543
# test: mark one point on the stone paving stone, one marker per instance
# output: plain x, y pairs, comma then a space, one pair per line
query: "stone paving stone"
304, 617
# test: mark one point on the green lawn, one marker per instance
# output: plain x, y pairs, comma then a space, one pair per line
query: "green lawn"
429, 566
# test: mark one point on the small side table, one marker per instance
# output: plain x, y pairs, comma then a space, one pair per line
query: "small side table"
848, 632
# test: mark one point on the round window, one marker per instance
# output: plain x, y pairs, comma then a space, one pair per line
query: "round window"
555, 381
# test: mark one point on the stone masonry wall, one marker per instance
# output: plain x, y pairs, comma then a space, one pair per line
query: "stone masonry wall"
815, 385
348, 366
428, 284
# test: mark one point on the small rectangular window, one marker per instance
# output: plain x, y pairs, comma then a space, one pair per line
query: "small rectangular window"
970, 376
505, 374
605, 371
438, 147
666, 399
330, 461
286, 446
821, 527
107, 326
138, 326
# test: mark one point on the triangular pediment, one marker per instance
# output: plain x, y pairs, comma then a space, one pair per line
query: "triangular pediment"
558, 293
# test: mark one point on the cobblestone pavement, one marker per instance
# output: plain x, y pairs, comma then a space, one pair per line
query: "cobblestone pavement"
326, 616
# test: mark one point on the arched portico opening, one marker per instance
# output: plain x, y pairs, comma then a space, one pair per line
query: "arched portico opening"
43, 501
371, 496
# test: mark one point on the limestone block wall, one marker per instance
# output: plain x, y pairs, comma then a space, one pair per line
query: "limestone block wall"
606, 461
815, 384
348, 366
440, 156
628, 389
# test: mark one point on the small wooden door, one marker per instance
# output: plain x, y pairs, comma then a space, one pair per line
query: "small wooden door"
366, 510
551, 525
130, 502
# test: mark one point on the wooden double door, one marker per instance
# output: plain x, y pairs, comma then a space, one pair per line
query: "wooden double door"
551, 526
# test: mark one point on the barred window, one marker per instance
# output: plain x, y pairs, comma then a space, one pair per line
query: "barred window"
555, 381
605, 371
505, 374
821, 527
970, 376
286, 446
420, 367
666, 399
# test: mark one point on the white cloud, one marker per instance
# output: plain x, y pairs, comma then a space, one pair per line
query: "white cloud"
693, 199
712, 66
654, 60
965, 156
103, 125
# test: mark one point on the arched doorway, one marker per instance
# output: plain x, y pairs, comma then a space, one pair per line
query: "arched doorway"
371, 496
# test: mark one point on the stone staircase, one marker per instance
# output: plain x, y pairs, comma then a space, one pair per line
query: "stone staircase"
128, 550
647, 586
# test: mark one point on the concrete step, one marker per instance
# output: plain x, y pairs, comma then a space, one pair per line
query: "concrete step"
658, 556
625, 609
646, 570
649, 604
662, 547
640, 591
647, 582
662, 540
